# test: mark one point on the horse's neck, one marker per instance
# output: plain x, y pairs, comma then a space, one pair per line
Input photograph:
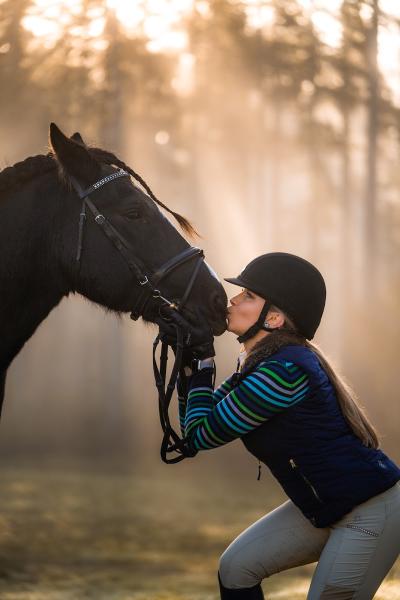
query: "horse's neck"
28, 287
20, 319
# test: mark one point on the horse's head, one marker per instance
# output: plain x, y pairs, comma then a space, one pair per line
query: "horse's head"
102, 274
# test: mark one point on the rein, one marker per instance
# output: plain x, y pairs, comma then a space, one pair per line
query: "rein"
171, 441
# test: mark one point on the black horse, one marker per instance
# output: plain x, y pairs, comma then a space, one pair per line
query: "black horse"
39, 216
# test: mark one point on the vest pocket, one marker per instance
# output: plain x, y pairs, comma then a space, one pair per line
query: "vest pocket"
305, 479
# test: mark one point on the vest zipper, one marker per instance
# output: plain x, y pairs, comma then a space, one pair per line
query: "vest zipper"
294, 466
259, 471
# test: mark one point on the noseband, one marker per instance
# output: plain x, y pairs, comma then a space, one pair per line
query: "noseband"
149, 291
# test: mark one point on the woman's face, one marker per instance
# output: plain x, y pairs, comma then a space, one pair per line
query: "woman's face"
244, 311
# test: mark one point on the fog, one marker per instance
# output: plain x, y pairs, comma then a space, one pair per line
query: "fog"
271, 126
262, 133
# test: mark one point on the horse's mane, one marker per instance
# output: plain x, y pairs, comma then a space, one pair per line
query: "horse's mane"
25, 170
31, 167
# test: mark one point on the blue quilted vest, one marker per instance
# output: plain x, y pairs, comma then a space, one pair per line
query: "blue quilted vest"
321, 464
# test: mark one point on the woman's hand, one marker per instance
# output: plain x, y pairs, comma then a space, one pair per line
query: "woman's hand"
198, 339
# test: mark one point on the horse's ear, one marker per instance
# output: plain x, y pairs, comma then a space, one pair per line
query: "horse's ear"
78, 138
73, 157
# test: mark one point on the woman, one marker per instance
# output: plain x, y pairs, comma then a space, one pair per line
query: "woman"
296, 415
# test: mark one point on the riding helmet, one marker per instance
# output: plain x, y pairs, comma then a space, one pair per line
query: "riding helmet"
288, 282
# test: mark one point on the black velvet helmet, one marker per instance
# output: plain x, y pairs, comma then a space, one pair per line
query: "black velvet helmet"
288, 282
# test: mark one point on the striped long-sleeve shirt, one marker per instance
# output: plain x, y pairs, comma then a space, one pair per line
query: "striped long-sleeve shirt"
213, 418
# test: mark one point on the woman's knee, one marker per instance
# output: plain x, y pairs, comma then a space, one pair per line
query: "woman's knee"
225, 567
238, 570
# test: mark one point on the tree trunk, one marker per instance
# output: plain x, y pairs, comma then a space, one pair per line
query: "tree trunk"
346, 248
369, 279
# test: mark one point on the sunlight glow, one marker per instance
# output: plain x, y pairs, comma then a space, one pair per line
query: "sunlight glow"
328, 27
131, 19
183, 82
158, 20
325, 15
162, 138
161, 22
46, 18
389, 58
259, 15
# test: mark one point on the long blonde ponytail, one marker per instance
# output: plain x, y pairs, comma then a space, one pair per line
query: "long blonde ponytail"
352, 411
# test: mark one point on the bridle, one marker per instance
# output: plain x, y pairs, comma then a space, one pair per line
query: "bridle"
149, 285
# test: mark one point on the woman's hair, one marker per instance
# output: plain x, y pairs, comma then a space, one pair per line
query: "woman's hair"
352, 411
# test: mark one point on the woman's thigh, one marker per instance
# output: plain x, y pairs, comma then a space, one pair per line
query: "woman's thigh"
360, 551
282, 539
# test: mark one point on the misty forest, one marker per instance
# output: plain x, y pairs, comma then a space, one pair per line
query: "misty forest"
272, 125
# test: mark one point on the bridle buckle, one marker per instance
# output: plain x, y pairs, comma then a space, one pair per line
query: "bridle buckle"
100, 219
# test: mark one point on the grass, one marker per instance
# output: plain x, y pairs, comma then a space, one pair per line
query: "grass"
76, 533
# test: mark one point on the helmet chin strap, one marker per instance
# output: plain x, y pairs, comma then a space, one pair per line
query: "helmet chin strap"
258, 325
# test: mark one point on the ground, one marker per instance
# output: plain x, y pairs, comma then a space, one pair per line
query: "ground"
84, 532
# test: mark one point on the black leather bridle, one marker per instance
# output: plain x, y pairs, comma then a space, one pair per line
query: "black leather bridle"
149, 291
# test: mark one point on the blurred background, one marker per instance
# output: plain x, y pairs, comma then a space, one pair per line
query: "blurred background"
273, 125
